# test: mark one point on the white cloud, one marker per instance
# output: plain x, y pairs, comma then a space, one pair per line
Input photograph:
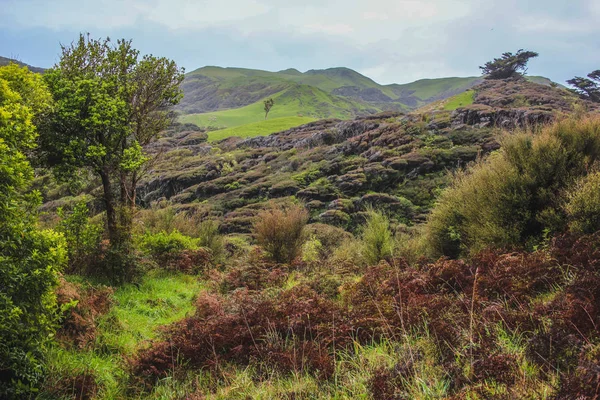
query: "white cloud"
107, 14
390, 40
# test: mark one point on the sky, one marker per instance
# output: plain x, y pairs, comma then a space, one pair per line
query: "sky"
391, 41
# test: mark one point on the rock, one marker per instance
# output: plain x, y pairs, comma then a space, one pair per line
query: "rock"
335, 217
283, 189
351, 183
345, 205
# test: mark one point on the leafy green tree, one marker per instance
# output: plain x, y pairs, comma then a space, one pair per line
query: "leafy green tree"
588, 88
268, 105
509, 65
29, 258
109, 104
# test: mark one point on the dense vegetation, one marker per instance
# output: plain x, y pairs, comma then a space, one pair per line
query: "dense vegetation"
447, 253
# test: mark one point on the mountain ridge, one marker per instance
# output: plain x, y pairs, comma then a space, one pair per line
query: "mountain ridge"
214, 88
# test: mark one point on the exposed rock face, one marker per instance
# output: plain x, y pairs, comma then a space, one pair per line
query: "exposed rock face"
485, 116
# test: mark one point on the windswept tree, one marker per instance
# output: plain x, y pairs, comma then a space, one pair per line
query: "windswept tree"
109, 104
268, 105
588, 88
509, 65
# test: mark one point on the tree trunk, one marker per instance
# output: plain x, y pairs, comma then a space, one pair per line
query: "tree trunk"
111, 210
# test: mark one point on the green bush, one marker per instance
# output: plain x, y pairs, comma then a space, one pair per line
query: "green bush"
312, 250
583, 205
163, 243
209, 237
517, 194
82, 237
376, 237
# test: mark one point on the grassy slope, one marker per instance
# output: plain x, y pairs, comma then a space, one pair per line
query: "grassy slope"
261, 128
429, 88
294, 106
135, 317
460, 100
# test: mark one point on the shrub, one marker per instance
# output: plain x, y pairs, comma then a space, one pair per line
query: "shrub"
312, 250
280, 231
82, 237
209, 237
377, 237
583, 205
517, 194
163, 243
329, 236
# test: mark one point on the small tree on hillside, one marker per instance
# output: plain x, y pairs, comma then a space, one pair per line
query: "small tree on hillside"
509, 65
268, 105
588, 88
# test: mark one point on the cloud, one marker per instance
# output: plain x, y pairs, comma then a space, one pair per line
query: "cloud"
389, 40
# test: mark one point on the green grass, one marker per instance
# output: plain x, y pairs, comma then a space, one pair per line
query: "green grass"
260, 128
460, 100
138, 312
430, 88
160, 300
294, 106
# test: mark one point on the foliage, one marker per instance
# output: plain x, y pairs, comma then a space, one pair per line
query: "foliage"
280, 231
90, 357
515, 195
312, 250
509, 65
501, 325
588, 88
377, 237
81, 236
163, 243
30, 259
583, 204
209, 237
108, 105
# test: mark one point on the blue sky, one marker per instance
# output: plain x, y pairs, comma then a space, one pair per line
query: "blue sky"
390, 41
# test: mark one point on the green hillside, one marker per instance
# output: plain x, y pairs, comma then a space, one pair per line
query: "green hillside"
303, 102
261, 128
227, 98
6, 61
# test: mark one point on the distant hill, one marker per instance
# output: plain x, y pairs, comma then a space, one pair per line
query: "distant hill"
231, 97
6, 61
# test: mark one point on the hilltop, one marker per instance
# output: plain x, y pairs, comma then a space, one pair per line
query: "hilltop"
6, 61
